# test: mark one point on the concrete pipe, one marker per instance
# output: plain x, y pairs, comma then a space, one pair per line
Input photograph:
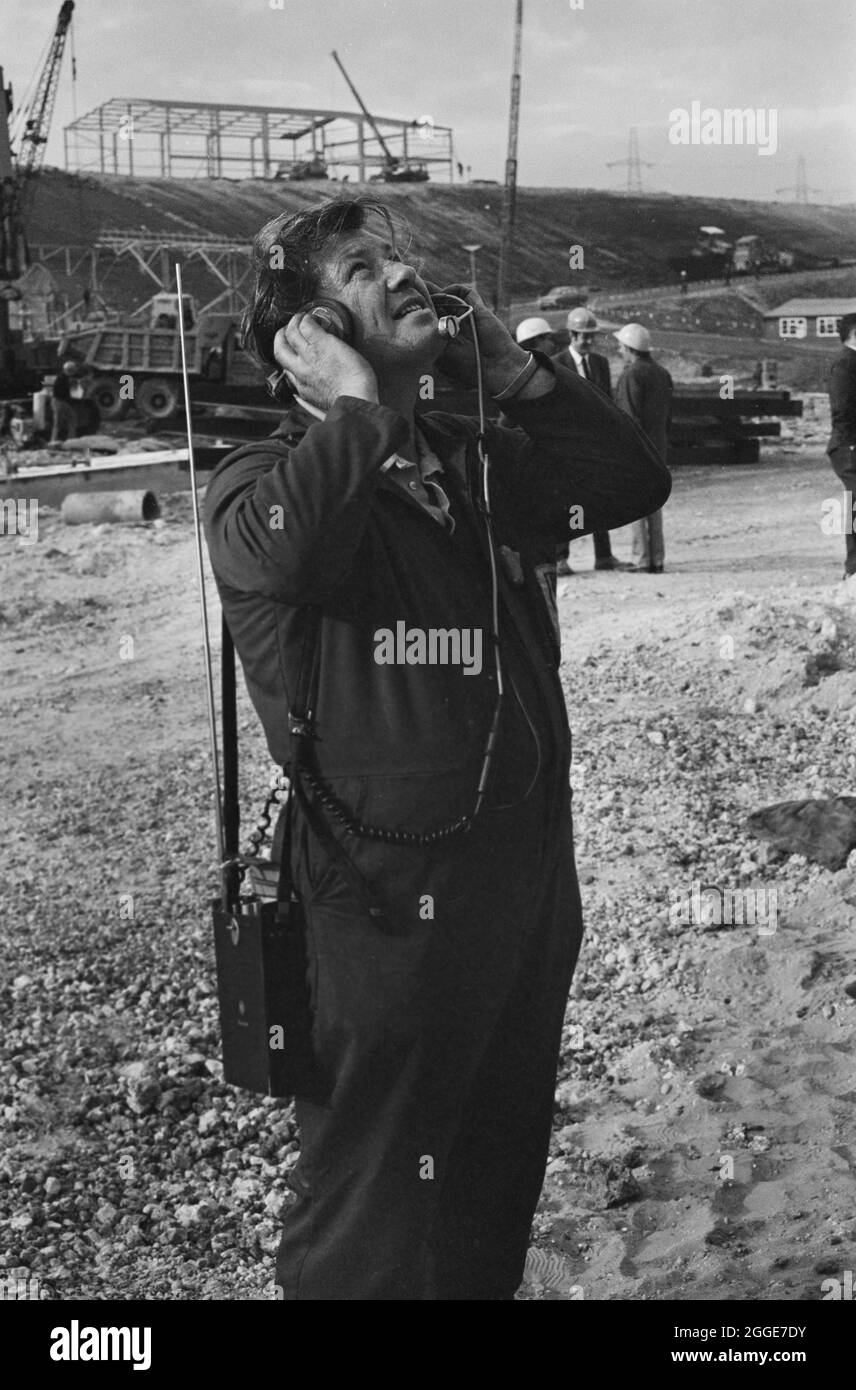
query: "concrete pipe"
94, 507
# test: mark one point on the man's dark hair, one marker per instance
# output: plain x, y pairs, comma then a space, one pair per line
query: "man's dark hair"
285, 260
846, 326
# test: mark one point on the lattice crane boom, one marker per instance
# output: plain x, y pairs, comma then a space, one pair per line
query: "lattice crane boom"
38, 123
391, 161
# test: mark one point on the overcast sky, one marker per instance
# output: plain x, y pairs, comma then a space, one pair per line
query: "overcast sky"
588, 75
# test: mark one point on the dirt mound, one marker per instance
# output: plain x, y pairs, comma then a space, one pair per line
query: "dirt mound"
626, 241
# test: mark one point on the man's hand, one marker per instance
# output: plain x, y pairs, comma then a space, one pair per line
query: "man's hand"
319, 366
502, 359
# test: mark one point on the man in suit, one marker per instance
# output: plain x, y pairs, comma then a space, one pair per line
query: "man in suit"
644, 391
578, 355
842, 441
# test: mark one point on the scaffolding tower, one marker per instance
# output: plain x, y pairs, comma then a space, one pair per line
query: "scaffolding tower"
113, 270
184, 139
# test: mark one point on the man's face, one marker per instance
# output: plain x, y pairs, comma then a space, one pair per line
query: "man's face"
542, 342
392, 308
583, 342
625, 353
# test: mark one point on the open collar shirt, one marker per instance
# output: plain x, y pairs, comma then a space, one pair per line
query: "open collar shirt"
421, 479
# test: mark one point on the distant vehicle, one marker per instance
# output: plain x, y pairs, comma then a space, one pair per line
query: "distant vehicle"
562, 297
295, 169
749, 254
483, 183
752, 254
147, 359
410, 171
713, 257
708, 259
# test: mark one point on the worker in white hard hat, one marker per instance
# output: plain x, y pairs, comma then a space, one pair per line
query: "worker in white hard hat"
644, 391
64, 419
535, 335
579, 357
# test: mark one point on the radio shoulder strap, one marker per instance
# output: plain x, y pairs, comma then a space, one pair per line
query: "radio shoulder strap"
231, 802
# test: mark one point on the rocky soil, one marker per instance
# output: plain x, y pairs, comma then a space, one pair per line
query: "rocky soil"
703, 1144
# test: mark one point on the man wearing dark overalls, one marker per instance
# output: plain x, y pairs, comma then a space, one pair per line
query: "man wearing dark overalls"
441, 748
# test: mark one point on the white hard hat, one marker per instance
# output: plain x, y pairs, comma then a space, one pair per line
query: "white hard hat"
531, 328
633, 335
70, 368
582, 320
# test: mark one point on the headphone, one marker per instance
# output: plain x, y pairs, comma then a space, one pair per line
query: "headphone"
336, 318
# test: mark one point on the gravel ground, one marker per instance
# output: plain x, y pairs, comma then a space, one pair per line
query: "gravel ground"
704, 1115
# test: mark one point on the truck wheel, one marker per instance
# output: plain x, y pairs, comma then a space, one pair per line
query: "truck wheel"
157, 399
105, 393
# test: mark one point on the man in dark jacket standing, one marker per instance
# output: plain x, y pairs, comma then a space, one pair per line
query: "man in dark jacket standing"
644, 391
579, 357
63, 410
437, 1036
842, 441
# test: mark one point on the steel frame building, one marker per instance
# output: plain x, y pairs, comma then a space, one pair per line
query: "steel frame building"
227, 263
173, 139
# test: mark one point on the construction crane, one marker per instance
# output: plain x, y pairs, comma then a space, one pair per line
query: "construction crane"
395, 170
16, 176
509, 201
40, 111
16, 173
12, 249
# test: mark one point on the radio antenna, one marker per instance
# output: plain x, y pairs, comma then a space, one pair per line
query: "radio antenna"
200, 574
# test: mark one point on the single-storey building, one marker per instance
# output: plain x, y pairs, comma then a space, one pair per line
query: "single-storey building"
813, 320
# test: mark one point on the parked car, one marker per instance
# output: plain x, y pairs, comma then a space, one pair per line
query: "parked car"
562, 297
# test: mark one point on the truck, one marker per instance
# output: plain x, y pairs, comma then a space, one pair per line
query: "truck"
708, 258
752, 254
713, 257
133, 364
299, 169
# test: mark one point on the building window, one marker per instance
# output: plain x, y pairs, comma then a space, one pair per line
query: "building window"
793, 328
827, 325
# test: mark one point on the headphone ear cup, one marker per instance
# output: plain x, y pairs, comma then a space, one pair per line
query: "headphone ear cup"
333, 317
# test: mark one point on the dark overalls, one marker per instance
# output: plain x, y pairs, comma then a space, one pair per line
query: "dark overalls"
422, 1161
